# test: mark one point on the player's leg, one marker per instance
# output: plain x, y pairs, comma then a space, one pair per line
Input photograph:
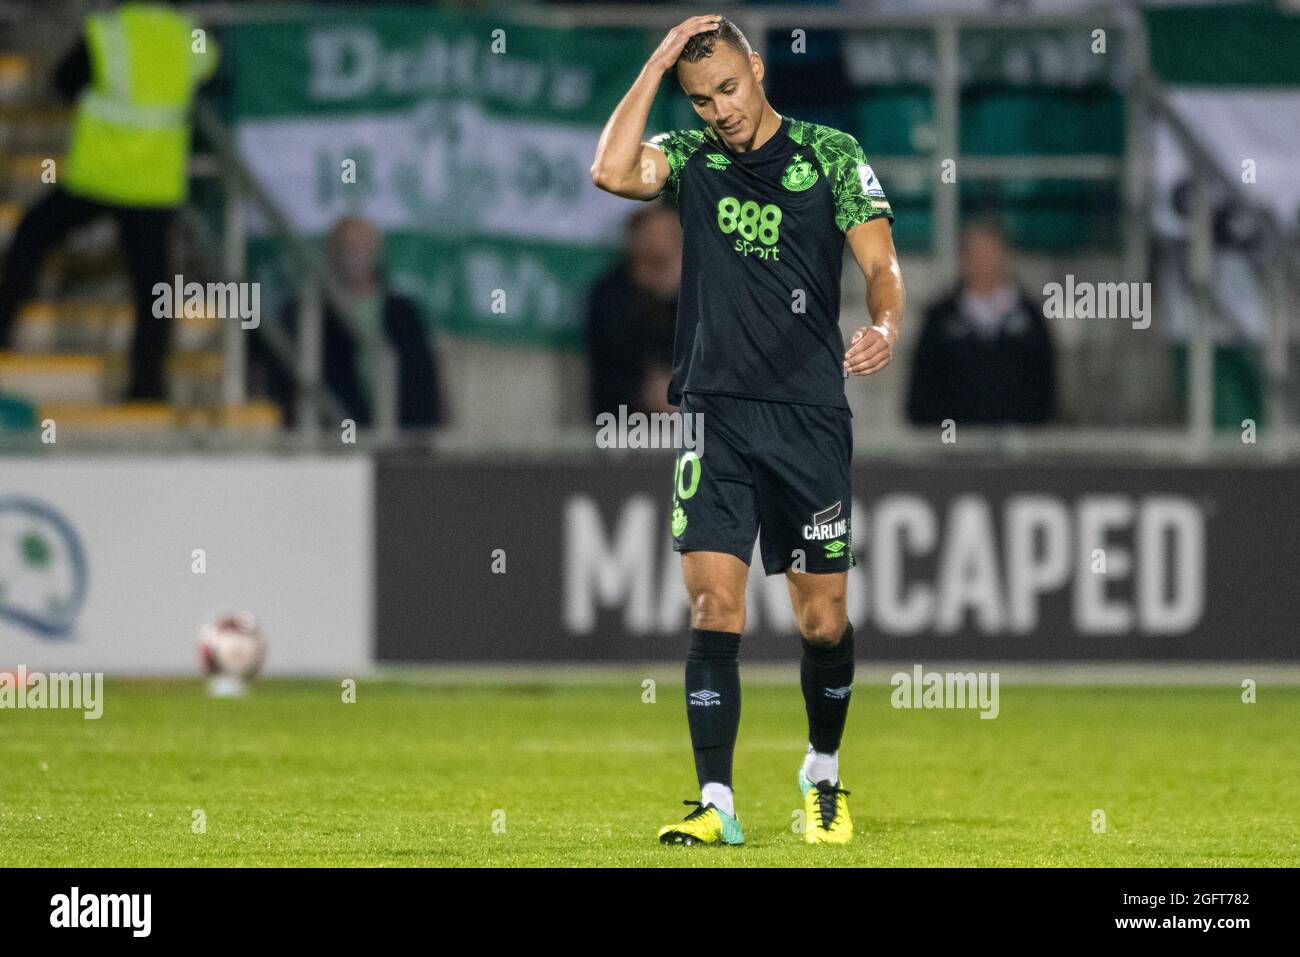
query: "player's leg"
826, 669
826, 677
715, 583
714, 523
804, 503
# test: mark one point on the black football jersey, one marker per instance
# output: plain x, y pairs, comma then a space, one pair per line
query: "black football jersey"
763, 248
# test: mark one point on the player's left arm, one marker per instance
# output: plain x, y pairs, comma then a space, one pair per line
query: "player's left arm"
872, 346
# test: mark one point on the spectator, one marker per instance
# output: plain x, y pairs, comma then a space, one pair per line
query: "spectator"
985, 353
631, 314
348, 361
135, 72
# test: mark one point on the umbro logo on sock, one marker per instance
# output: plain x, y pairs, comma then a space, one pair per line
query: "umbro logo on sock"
705, 698
838, 693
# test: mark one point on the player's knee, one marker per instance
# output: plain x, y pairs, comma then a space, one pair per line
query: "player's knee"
823, 625
716, 610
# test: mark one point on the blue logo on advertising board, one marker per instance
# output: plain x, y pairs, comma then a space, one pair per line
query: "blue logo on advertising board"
43, 572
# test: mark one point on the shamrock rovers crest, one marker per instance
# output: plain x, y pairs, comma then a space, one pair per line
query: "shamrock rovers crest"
799, 175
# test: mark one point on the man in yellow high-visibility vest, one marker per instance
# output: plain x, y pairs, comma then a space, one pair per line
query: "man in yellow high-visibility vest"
136, 71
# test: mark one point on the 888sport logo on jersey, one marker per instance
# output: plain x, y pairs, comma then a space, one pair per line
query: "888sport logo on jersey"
756, 226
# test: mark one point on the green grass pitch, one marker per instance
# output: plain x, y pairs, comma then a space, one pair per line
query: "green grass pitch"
584, 774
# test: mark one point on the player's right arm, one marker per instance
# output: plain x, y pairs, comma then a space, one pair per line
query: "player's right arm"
624, 165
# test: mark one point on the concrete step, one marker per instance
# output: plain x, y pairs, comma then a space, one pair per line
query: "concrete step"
136, 417
94, 415
81, 325
251, 416
193, 376
52, 378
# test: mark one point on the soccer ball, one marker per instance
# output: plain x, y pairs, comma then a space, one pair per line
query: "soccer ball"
232, 649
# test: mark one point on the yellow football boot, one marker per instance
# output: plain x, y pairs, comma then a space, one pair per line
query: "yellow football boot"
707, 824
826, 812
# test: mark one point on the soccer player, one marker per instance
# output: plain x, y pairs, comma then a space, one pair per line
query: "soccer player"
766, 203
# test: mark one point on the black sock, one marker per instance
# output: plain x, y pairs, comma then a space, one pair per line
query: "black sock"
713, 702
826, 674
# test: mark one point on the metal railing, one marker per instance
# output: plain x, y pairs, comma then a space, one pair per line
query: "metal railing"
1275, 264
316, 288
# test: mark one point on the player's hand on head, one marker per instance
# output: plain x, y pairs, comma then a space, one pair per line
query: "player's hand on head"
671, 48
870, 349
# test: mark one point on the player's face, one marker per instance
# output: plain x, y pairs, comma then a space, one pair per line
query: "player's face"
726, 90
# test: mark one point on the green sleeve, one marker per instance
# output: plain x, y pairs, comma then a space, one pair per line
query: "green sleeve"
677, 146
858, 193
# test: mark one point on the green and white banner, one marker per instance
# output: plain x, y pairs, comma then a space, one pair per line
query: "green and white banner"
466, 138
1232, 72
1232, 75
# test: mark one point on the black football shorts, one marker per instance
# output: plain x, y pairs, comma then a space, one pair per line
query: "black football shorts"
775, 467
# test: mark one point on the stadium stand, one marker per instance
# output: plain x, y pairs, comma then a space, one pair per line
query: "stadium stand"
67, 356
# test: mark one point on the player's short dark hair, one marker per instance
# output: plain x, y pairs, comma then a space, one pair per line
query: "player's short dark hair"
702, 45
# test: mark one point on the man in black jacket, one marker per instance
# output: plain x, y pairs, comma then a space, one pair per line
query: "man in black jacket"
631, 312
985, 352
348, 360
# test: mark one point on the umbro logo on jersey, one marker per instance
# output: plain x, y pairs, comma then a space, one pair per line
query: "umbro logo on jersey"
705, 698
717, 161
839, 694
